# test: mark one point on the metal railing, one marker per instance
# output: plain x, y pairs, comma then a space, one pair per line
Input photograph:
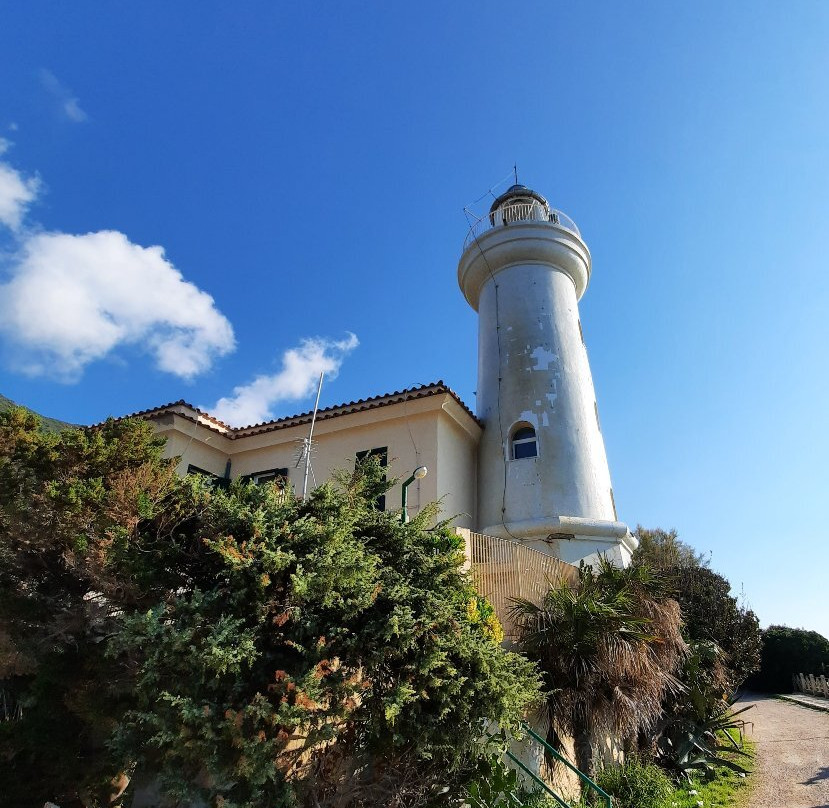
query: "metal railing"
537, 780
592, 786
513, 212
503, 570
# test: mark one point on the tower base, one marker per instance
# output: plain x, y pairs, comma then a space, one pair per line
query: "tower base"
572, 538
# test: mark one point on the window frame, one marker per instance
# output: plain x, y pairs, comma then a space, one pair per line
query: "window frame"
215, 479
525, 440
278, 477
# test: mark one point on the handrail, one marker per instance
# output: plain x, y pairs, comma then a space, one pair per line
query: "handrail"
512, 213
558, 756
537, 779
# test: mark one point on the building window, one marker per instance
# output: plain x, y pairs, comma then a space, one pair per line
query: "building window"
220, 482
278, 476
382, 455
524, 443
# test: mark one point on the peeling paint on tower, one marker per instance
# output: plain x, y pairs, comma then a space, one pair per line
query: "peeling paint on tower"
524, 273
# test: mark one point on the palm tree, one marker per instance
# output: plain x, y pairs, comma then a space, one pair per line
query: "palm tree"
608, 648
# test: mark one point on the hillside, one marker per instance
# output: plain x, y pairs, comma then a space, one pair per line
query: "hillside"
49, 424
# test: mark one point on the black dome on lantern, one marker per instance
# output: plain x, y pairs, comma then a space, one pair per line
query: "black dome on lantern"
518, 192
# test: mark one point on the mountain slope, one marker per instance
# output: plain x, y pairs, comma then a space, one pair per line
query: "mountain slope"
49, 424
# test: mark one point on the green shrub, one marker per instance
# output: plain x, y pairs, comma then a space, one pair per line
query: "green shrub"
493, 785
537, 799
690, 747
787, 651
637, 785
210, 638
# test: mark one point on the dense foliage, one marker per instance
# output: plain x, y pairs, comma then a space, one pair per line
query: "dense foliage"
637, 784
238, 644
724, 636
609, 648
723, 649
786, 652
713, 615
663, 549
691, 746
69, 504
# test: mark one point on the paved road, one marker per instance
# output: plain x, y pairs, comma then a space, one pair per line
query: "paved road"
792, 754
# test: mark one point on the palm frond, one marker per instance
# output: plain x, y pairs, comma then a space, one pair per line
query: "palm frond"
609, 647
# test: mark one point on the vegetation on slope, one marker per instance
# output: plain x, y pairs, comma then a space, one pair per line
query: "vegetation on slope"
787, 652
234, 645
47, 424
652, 656
249, 649
725, 637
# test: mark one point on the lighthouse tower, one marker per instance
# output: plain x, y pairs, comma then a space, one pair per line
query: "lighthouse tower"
543, 477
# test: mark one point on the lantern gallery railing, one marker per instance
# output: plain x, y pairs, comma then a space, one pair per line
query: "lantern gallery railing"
512, 212
504, 570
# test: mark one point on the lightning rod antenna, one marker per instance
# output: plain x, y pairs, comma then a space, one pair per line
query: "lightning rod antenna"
308, 440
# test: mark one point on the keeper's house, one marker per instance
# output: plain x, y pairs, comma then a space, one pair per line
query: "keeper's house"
425, 426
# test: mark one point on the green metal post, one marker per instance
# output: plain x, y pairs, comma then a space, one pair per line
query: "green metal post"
537, 780
605, 797
404, 517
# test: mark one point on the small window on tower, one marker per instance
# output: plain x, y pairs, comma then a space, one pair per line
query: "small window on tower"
524, 443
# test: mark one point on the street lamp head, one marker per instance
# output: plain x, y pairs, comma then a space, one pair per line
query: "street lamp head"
420, 472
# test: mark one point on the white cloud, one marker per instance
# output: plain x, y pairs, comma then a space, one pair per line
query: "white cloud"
68, 103
68, 300
73, 299
16, 192
301, 366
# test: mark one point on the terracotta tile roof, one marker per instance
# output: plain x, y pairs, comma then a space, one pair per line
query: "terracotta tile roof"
232, 433
171, 407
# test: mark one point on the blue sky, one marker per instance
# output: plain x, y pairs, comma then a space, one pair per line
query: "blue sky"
307, 168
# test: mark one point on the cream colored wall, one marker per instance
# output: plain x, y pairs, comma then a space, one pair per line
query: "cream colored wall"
411, 442
194, 445
434, 432
457, 472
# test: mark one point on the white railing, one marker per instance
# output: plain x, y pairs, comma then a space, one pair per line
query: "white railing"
512, 212
503, 570
809, 683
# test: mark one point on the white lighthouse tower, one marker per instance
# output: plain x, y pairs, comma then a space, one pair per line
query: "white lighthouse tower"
543, 477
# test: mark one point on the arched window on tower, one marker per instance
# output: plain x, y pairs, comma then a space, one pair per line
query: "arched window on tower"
523, 442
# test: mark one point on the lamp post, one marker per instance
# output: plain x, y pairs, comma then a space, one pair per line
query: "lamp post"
418, 474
